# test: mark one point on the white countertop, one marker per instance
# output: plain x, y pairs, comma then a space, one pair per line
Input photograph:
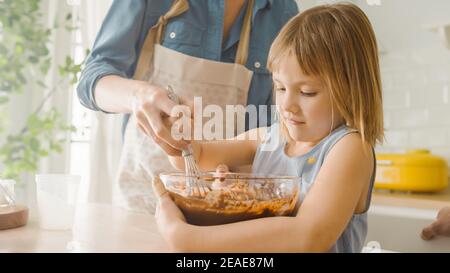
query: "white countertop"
97, 228
103, 228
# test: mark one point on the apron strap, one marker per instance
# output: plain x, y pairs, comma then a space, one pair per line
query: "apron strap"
244, 40
154, 36
145, 62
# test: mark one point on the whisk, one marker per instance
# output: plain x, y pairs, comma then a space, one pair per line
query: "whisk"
195, 186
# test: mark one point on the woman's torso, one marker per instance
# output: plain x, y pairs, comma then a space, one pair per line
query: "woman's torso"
199, 33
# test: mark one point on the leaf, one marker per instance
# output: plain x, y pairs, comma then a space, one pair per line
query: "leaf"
34, 145
24, 51
3, 100
3, 49
33, 59
40, 50
62, 71
45, 65
33, 122
19, 49
68, 61
21, 78
76, 68
41, 84
56, 148
71, 28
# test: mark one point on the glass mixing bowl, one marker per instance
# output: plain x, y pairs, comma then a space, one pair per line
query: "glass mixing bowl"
233, 197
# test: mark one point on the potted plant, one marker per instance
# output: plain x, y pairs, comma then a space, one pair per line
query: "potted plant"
25, 60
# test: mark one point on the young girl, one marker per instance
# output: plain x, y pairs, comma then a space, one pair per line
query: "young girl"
328, 96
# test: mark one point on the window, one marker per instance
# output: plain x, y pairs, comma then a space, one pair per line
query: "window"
81, 117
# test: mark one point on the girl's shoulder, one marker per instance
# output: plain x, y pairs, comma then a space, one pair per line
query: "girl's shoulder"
352, 139
350, 147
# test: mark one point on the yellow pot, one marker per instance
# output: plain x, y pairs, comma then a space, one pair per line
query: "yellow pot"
416, 171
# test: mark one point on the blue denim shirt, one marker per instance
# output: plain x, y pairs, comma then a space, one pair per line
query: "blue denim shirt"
197, 32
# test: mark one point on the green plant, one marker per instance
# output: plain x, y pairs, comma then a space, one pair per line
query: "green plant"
25, 59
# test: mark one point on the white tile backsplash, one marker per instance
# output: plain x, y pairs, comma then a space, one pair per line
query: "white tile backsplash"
442, 151
416, 103
432, 138
396, 138
433, 94
415, 73
409, 118
439, 116
396, 100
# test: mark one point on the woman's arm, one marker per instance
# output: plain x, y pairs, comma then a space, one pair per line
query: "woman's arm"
114, 52
106, 84
321, 219
235, 152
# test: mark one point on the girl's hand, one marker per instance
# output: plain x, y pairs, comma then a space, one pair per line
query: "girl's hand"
169, 218
221, 174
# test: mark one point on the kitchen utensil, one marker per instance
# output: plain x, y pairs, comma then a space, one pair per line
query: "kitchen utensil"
194, 184
234, 197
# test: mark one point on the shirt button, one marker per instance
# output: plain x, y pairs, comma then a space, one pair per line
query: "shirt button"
257, 65
172, 35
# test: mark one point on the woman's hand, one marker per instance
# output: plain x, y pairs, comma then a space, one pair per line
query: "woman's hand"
440, 227
155, 114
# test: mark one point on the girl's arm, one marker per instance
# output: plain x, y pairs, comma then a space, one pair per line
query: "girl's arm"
324, 214
235, 152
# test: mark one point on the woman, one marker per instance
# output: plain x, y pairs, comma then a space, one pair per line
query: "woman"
143, 39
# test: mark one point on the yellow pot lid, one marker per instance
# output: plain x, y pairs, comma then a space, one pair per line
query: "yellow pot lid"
418, 157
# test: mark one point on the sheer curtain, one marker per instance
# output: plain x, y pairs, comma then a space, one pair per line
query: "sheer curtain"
25, 104
105, 142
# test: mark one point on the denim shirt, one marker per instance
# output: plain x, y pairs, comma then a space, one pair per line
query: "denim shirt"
197, 32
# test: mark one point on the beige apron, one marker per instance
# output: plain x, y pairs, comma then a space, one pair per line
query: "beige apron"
216, 82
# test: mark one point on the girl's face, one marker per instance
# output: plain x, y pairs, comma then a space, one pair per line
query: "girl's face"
303, 102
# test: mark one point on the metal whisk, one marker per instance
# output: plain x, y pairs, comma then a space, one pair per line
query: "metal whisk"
195, 186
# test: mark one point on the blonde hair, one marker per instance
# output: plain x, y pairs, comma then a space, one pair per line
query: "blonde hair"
337, 44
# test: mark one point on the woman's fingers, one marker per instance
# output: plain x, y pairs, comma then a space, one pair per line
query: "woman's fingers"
190, 105
428, 233
161, 131
146, 129
161, 101
155, 105
440, 227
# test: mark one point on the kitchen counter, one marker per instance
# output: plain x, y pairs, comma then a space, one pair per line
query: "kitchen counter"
395, 222
434, 201
97, 228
